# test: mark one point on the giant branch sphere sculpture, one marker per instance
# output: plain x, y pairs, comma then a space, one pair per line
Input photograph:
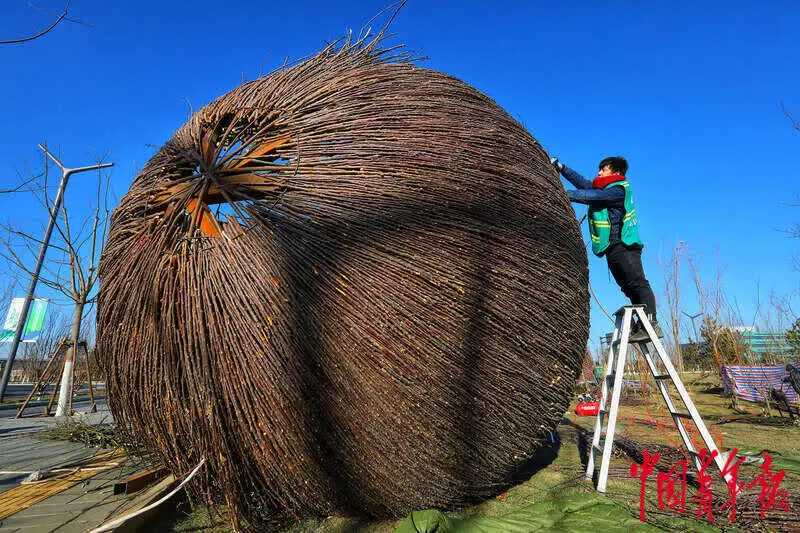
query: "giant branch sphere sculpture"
355, 286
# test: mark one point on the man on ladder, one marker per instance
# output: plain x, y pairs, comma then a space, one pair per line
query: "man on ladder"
614, 230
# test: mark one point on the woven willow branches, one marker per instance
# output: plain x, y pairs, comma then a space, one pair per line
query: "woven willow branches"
353, 286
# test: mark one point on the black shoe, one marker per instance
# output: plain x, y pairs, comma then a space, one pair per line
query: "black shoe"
639, 333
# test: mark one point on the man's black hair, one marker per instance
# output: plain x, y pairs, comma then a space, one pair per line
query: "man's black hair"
619, 165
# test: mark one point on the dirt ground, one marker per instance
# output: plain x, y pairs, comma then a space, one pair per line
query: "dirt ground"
643, 424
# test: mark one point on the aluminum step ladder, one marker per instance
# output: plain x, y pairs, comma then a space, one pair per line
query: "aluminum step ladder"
664, 373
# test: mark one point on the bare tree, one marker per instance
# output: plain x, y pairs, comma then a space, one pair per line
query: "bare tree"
672, 291
72, 265
59, 18
795, 231
19, 188
721, 316
790, 116
709, 296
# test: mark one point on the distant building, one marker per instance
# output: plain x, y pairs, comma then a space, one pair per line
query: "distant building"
766, 344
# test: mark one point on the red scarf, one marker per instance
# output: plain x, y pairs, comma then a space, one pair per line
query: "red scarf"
601, 182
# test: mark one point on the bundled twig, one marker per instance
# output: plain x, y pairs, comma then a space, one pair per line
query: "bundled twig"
354, 286
92, 436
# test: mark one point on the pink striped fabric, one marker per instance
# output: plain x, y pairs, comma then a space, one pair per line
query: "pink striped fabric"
753, 383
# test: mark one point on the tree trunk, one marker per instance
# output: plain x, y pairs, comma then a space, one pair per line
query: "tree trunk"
64, 395
677, 340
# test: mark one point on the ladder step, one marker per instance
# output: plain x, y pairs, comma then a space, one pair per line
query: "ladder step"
695, 453
662, 376
682, 415
617, 342
602, 411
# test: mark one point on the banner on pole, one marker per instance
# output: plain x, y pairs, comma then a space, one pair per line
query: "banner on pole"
33, 326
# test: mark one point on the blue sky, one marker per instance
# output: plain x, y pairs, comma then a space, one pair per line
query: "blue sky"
689, 92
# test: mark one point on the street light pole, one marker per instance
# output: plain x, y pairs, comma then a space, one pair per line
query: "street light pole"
692, 317
23, 318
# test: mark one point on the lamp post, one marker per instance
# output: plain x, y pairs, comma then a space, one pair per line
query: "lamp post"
692, 317
23, 317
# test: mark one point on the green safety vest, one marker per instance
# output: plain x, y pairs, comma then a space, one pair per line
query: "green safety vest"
600, 223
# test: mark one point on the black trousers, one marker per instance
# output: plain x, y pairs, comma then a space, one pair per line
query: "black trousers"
625, 265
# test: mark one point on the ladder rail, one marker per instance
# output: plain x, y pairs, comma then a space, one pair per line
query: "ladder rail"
604, 400
708, 440
662, 387
598, 424
619, 373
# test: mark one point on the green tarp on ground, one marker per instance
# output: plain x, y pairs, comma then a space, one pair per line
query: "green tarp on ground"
575, 512
788, 463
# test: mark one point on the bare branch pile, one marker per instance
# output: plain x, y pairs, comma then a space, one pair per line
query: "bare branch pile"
353, 286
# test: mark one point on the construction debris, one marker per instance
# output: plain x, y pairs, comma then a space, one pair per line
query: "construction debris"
351, 286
